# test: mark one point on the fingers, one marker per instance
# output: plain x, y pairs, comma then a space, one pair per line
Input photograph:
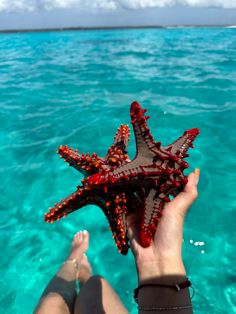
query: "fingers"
180, 204
185, 199
132, 225
190, 192
197, 175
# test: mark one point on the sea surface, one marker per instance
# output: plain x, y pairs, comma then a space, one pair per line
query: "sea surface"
75, 88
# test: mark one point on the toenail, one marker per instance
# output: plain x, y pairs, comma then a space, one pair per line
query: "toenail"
78, 234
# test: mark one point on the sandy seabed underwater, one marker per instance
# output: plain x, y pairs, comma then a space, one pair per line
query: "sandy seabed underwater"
75, 88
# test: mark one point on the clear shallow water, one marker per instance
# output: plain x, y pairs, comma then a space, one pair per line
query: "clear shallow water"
75, 88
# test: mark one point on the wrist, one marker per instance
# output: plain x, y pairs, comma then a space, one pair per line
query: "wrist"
158, 270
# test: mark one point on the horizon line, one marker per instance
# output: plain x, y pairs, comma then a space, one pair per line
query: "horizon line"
85, 28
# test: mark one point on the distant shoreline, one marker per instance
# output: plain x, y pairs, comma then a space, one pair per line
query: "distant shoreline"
81, 28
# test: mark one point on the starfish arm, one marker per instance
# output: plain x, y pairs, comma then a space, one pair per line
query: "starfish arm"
113, 207
117, 152
75, 201
85, 164
68, 205
116, 217
182, 144
151, 215
115, 210
143, 137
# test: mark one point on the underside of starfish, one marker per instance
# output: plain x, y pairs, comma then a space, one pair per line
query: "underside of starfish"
119, 186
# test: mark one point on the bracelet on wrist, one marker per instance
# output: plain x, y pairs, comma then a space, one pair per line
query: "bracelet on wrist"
169, 308
177, 287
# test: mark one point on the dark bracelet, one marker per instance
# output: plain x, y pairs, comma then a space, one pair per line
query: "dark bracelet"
177, 287
170, 308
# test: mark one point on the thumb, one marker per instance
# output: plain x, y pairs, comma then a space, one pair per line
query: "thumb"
185, 199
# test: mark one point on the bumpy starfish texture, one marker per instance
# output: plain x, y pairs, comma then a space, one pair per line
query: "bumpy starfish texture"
114, 203
120, 186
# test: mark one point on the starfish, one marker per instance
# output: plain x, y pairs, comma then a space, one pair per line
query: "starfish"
158, 169
119, 186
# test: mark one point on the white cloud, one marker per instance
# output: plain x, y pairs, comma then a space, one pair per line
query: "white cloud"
35, 5
137, 4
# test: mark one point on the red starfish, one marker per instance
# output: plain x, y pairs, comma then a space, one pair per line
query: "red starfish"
145, 182
159, 170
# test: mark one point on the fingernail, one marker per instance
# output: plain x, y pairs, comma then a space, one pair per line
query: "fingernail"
197, 175
85, 232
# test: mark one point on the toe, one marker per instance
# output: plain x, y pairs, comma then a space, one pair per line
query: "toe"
81, 241
85, 240
79, 245
78, 237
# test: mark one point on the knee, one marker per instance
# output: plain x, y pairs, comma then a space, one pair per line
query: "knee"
98, 283
51, 300
96, 279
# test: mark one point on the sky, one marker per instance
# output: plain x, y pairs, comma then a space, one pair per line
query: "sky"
30, 14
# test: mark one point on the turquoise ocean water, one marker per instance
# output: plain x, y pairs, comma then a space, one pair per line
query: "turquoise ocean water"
75, 88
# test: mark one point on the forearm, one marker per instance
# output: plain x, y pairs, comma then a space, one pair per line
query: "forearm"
167, 299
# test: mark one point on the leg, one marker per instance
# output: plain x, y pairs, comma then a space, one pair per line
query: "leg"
97, 296
59, 296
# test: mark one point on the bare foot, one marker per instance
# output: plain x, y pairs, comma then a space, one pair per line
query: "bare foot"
79, 246
85, 270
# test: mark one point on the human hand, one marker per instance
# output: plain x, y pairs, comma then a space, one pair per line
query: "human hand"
164, 255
